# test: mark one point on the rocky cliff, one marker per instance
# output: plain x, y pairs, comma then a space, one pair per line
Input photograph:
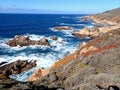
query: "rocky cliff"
110, 15
94, 66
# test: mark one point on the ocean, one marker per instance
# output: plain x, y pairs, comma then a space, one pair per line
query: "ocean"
37, 26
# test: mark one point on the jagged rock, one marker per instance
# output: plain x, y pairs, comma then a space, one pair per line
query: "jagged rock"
82, 33
38, 74
53, 37
16, 67
43, 41
2, 63
25, 41
3, 76
10, 84
101, 81
63, 28
95, 66
86, 32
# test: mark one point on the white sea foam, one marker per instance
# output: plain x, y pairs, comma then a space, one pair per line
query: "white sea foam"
45, 56
65, 17
72, 24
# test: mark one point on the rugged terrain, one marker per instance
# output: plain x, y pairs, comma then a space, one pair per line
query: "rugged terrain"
94, 66
104, 22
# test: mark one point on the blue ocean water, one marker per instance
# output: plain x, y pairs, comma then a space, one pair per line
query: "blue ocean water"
37, 26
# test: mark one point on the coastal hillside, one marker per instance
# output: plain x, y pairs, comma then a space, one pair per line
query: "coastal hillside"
103, 23
95, 65
110, 15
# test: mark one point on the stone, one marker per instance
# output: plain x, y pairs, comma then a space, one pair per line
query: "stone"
43, 41
53, 37
25, 41
38, 74
63, 28
16, 67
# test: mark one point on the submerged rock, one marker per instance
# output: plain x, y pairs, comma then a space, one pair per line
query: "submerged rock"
53, 37
25, 41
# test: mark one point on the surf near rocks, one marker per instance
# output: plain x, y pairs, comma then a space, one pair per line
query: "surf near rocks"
63, 28
15, 68
25, 41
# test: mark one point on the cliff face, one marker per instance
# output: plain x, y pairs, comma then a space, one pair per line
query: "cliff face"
97, 65
111, 15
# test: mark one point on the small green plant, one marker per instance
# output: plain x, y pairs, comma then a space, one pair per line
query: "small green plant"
98, 70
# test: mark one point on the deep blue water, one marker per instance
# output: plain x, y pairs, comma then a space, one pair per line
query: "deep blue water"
37, 26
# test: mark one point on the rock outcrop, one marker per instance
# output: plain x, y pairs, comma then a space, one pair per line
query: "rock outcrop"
25, 41
43, 41
15, 68
53, 37
63, 28
95, 66
103, 23
38, 74
10, 84
86, 32
111, 16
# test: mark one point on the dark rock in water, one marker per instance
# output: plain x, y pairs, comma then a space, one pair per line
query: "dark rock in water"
19, 40
16, 68
63, 28
43, 41
25, 41
2, 63
53, 37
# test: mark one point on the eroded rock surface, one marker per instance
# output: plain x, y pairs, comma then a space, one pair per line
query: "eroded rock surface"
94, 66
38, 74
25, 41
15, 68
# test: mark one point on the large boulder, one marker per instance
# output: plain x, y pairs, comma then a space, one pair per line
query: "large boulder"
63, 28
82, 33
16, 68
86, 32
25, 41
43, 41
53, 37
19, 40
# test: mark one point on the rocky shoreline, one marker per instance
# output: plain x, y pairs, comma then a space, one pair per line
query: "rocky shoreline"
25, 41
94, 66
